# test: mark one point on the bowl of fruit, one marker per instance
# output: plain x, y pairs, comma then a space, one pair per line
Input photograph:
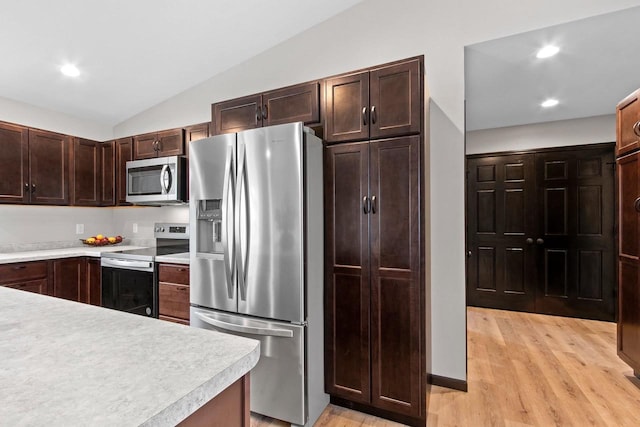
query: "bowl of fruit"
101, 240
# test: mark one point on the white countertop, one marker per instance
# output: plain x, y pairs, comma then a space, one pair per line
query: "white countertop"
66, 363
182, 258
90, 251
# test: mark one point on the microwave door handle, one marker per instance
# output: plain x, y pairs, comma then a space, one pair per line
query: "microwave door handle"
165, 179
243, 329
229, 253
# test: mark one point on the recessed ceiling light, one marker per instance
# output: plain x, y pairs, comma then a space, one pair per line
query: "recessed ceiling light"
549, 103
547, 51
70, 70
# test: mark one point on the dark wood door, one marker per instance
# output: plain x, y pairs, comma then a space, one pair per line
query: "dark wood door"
628, 124
347, 274
145, 146
347, 108
501, 229
68, 278
237, 114
396, 328
170, 143
86, 182
575, 241
49, 167
395, 100
628, 259
124, 153
300, 103
107, 174
14, 164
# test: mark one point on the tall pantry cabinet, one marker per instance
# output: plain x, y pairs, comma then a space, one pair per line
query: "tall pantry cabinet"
627, 167
374, 278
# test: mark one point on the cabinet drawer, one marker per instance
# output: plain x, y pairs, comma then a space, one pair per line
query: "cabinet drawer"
22, 271
173, 300
174, 320
36, 286
172, 273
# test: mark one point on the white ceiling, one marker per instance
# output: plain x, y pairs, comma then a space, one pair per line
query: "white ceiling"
598, 65
135, 54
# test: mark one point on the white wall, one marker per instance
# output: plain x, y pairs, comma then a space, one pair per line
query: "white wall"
145, 216
378, 31
32, 116
589, 130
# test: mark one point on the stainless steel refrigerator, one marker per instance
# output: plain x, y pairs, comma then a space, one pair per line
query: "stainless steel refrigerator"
256, 255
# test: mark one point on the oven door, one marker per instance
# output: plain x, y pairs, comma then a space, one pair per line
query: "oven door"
129, 290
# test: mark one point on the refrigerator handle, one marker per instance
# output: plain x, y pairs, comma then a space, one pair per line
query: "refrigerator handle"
229, 255
251, 330
243, 190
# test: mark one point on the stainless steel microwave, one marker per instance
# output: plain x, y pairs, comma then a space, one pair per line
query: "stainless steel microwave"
158, 181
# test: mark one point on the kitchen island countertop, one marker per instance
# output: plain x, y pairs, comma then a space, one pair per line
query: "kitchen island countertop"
66, 363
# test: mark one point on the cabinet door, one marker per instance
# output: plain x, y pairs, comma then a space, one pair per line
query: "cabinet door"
300, 103
86, 172
14, 164
628, 126
91, 289
36, 286
237, 114
347, 361
107, 174
395, 100
124, 153
628, 258
144, 146
49, 167
396, 329
170, 143
347, 108
68, 278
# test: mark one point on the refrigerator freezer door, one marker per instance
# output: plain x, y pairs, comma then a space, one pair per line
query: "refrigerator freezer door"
278, 380
212, 221
269, 228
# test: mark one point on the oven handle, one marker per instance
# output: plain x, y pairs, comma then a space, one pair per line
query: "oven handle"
252, 330
127, 263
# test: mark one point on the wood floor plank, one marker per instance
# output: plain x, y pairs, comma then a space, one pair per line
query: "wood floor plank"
525, 370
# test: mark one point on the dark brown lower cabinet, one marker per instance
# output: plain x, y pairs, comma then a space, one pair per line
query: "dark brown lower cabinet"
77, 279
374, 331
628, 260
173, 293
26, 276
91, 290
540, 231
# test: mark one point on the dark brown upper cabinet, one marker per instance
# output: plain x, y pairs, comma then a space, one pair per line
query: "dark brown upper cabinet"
107, 173
194, 133
159, 144
14, 164
628, 126
86, 175
49, 158
298, 103
124, 153
376, 103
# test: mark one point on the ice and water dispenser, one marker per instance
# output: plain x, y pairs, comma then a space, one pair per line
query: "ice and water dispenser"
209, 217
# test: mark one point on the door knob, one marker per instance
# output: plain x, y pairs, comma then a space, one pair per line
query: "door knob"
529, 241
540, 241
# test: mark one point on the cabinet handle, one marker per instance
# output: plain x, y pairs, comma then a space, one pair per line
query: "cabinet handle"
26, 187
529, 241
373, 204
366, 207
364, 116
636, 128
19, 267
33, 188
540, 241
468, 254
258, 114
636, 204
374, 115
182, 269
264, 112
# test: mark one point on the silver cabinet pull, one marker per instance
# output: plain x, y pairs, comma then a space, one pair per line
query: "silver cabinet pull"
374, 206
636, 204
364, 116
365, 205
636, 128
540, 241
374, 115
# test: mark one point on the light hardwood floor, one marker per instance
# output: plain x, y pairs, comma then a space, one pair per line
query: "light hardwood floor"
526, 370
